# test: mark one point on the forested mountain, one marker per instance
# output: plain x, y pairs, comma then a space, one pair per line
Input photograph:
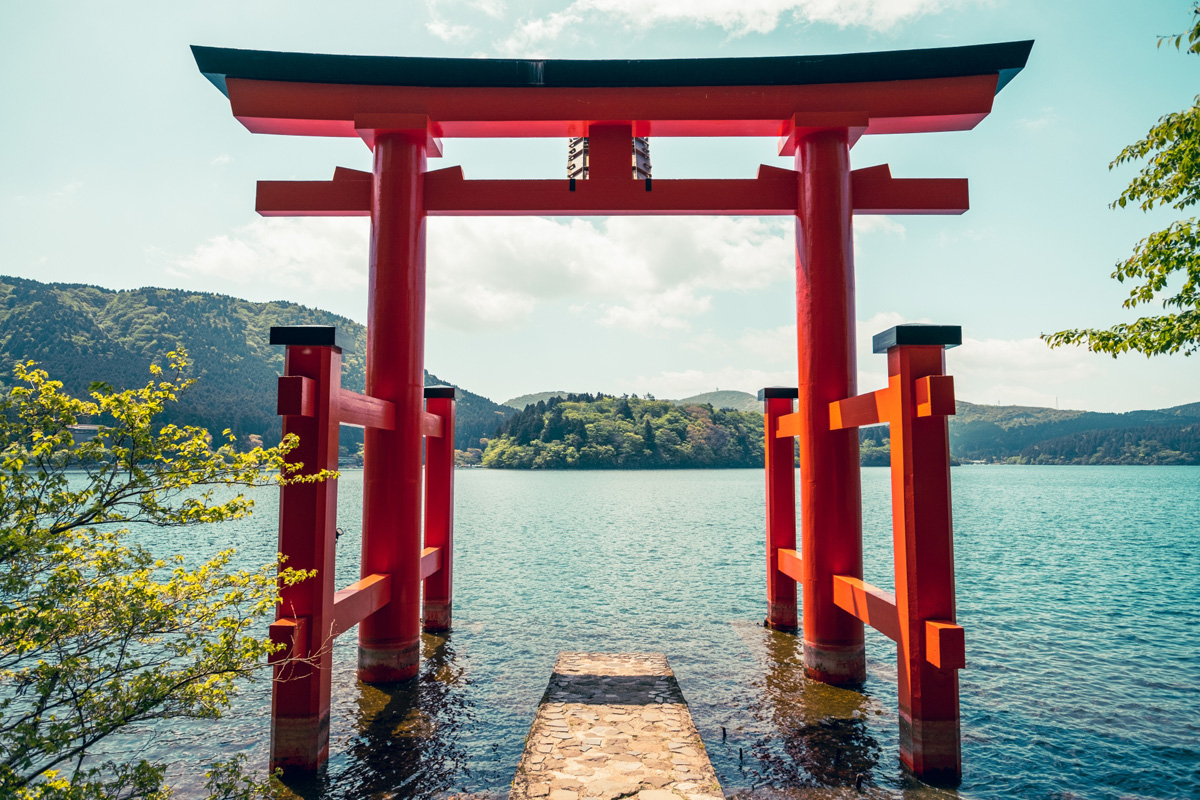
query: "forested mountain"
1021, 434
519, 403
738, 401
82, 334
601, 431
604, 431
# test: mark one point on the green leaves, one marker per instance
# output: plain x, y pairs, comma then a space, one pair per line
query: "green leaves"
1172, 174
95, 633
1170, 177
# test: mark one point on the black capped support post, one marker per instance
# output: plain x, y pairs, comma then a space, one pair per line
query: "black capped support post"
917, 333
447, 392
778, 391
311, 336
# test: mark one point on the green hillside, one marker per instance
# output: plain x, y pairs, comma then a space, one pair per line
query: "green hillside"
1023, 434
519, 403
605, 432
738, 401
82, 334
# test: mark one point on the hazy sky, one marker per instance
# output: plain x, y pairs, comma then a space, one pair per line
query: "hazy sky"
123, 167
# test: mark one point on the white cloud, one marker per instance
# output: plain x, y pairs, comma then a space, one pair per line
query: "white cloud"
645, 274
665, 311
309, 255
1019, 371
988, 371
1038, 122
493, 8
222, 160
448, 32
530, 37
866, 224
686, 383
770, 346
60, 198
739, 19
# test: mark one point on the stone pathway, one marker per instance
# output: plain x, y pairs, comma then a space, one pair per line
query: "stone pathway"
610, 726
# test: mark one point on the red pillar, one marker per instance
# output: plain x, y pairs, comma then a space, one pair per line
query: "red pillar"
924, 552
389, 639
830, 495
781, 508
307, 520
439, 509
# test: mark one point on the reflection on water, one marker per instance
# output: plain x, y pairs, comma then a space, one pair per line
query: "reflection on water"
812, 740
407, 738
822, 727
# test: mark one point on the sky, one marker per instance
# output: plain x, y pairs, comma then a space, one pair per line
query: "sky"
123, 167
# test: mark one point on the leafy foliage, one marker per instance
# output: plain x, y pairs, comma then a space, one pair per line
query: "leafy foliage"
96, 633
605, 432
1170, 177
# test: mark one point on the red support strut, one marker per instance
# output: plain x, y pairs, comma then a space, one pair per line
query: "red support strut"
924, 552
830, 494
781, 509
307, 520
389, 639
439, 509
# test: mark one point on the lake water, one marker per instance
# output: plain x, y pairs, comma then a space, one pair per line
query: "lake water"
1078, 588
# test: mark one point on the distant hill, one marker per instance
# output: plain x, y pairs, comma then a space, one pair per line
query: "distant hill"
519, 403
1025, 434
1012, 434
82, 334
604, 432
738, 401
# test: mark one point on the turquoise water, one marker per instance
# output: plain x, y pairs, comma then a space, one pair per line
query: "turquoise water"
1077, 586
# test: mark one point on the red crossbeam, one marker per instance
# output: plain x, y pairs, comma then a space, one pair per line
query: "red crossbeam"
297, 397
935, 396
313, 198
432, 425
362, 411
431, 561
873, 190
790, 564
292, 633
864, 409
872, 605
904, 106
789, 425
945, 645
774, 192
358, 601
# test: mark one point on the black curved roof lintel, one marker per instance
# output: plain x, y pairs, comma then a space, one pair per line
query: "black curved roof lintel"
1003, 59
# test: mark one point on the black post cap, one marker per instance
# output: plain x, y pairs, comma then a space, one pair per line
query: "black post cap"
917, 333
778, 391
439, 391
312, 336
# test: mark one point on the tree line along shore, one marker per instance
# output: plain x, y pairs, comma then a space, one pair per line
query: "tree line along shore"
84, 334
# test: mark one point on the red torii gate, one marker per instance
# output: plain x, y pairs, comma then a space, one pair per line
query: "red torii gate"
818, 106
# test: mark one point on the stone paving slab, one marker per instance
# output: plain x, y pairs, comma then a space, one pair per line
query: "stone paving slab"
611, 726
